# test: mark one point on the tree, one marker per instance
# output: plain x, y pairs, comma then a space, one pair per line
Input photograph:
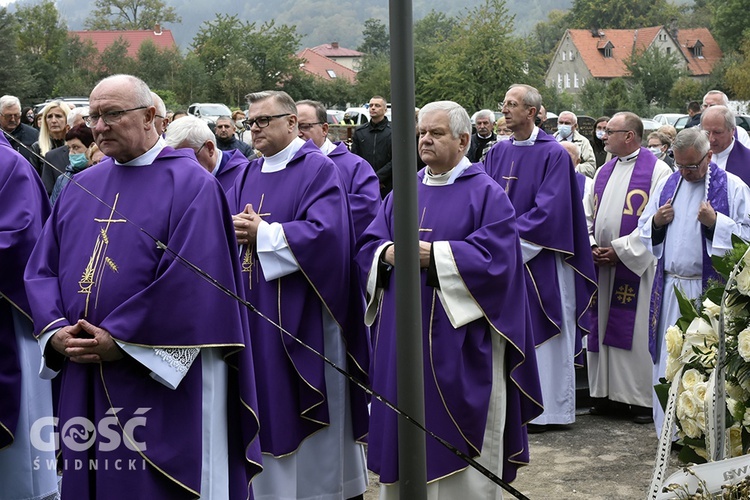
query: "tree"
614, 14
731, 22
548, 33
130, 15
114, 59
657, 73
430, 36
592, 97
738, 74
77, 69
157, 67
479, 61
14, 76
616, 97
684, 90
374, 78
376, 39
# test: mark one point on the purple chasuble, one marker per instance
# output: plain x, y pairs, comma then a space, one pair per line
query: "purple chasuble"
91, 263
26, 207
624, 300
233, 163
308, 199
738, 161
540, 182
361, 184
458, 361
718, 197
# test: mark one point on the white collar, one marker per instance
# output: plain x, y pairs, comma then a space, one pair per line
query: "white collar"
446, 178
146, 158
528, 142
725, 153
327, 147
219, 154
279, 161
632, 156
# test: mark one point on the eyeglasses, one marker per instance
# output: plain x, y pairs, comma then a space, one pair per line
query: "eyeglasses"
509, 105
262, 121
691, 167
109, 117
201, 148
304, 127
12, 116
610, 132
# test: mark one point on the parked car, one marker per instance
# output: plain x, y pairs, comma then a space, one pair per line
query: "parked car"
77, 101
668, 118
680, 123
208, 111
741, 120
358, 116
335, 116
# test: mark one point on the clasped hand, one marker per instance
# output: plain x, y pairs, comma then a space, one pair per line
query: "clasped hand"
85, 343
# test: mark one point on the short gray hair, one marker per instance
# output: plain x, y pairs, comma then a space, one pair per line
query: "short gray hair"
724, 98
75, 112
189, 131
229, 118
532, 98
724, 112
279, 96
161, 109
575, 118
7, 101
691, 138
458, 118
486, 113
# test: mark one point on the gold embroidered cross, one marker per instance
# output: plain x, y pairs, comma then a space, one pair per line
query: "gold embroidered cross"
625, 294
249, 257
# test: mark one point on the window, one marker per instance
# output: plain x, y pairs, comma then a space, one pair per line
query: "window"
608, 51
669, 50
559, 81
563, 55
567, 80
331, 73
575, 80
698, 51
570, 55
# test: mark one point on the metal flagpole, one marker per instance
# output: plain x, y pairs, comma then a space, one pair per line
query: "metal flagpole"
411, 441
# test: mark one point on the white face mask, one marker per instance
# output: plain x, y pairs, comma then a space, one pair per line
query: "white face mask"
501, 138
565, 130
600, 134
656, 150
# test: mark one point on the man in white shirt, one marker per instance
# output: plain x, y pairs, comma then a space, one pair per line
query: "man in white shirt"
728, 153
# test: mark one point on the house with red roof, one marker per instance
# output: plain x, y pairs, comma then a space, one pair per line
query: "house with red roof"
323, 67
603, 54
162, 38
346, 57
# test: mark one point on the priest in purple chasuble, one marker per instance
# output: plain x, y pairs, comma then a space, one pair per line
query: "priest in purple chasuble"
538, 177
619, 363
360, 181
481, 380
25, 397
157, 393
728, 152
295, 231
193, 133
690, 216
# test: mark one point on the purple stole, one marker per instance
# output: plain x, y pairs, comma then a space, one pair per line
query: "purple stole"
717, 196
624, 300
738, 161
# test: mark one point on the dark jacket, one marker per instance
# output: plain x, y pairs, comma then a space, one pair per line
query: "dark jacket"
58, 157
235, 143
474, 154
694, 120
373, 143
26, 135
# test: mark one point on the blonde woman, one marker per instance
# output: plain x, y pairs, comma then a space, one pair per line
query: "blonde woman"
54, 126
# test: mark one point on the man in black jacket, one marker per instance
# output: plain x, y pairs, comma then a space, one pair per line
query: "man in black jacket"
226, 140
10, 123
485, 123
372, 141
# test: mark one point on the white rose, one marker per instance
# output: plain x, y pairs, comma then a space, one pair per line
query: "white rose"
711, 308
743, 344
700, 421
743, 281
686, 407
690, 428
690, 378
699, 392
673, 366
673, 338
699, 334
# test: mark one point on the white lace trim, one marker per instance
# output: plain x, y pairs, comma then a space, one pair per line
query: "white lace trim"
178, 358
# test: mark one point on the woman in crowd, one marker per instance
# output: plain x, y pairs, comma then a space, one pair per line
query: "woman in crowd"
54, 126
78, 139
601, 156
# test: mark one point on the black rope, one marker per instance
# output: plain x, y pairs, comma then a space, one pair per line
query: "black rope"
213, 281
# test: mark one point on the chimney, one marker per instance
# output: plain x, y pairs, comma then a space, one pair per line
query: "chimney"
157, 29
334, 45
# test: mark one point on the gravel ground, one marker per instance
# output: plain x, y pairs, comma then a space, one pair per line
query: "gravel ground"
597, 458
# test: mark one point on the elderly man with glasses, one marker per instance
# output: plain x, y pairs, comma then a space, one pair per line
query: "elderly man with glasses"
619, 363
141, 343
20, 134
691, 215
296, 235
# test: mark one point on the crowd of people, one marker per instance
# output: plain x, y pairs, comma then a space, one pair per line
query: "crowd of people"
180, 301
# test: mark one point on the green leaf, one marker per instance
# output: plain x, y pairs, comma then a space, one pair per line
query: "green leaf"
687, 453
662, 392
687, 308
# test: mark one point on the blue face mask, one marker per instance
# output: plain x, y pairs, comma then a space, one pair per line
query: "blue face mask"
78, 160
565, 130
